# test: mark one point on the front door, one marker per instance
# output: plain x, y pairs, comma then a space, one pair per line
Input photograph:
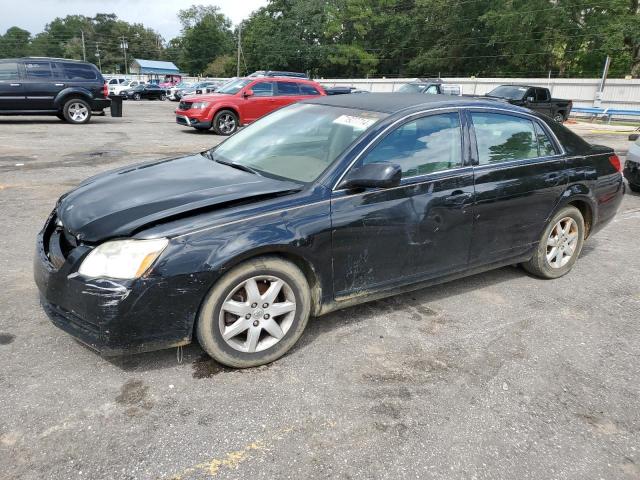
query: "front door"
418, 230
260, 103
12, 95
519, 178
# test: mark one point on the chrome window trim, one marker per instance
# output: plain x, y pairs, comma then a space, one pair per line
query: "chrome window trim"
458, 109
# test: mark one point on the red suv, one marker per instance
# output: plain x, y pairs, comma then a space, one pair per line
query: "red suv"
243, 101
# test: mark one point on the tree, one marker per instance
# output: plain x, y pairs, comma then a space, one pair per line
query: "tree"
206, 35
15, 43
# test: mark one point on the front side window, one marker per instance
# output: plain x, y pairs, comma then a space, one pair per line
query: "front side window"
263, 89
501, 137
36, 70
288, 88
9, 71
426, 145
433, 90
297, 142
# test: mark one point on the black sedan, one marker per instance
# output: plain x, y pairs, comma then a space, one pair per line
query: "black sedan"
148, 91
320, 205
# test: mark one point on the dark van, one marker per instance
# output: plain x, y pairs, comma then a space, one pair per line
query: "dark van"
69, 89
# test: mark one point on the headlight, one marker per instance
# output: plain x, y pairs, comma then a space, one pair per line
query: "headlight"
200, 105
126, 259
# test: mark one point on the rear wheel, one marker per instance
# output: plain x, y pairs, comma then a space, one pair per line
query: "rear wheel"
255, 313
559, 117
77, 111
225, 122
163, 97
634, 188
560, 245
61, 116
137, 96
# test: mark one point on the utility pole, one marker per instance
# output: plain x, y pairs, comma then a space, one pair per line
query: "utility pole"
84, 51
124, 45
239, 48
605, 72
98, 55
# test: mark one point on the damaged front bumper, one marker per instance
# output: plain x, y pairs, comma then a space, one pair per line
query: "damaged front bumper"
113, 317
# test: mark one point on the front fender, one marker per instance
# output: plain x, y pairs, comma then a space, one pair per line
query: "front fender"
58, 102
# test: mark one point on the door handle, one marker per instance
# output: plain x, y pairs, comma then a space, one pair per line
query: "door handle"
59, 84
457, 198
15, 84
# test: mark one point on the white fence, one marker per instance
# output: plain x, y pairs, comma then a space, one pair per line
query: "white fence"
617, 93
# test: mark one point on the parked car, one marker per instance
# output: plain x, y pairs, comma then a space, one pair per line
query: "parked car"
176, 92
243, 101
69, 89
201, 88
320, 205
342, 90
117, 89
537, 99
277, 73
632, 165
169, 81
434, 86
115, 81
149, 91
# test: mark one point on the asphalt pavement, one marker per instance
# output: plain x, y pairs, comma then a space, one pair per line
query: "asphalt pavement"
496, 376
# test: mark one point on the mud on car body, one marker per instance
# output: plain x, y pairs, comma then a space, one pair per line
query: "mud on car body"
320, 205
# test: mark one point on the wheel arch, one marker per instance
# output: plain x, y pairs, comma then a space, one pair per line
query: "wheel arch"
580, 197
232, 108
68, 93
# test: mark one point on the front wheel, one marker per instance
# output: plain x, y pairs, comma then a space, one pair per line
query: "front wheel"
137, 96
163, 97
255, 313
560, 245
225, 122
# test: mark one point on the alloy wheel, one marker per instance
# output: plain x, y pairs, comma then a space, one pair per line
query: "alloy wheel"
226, 123
78, 112
562, 242
257, 314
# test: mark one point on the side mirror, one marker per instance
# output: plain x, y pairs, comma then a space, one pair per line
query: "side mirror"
248, 93
634, 136
530, 99
374, 175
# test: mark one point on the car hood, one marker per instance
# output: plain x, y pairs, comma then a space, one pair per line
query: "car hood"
123, 201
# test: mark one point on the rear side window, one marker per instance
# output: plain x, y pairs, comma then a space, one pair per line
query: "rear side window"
502, 137
545, 145
426, 145
80, 71
263, 89
37, 69
306, 89
288, 88
9, 71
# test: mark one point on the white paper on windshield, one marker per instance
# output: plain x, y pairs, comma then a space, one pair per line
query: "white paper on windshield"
358, 123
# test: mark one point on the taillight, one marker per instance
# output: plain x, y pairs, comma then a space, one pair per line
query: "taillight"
615, 161
105, 90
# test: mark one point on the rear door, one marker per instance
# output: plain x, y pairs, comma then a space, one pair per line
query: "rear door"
41, 85
287, 93
519, 176
12, 95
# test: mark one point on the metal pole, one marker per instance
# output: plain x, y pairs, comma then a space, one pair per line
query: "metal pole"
98, 55
239, 47
84, 51
605, 72
124, 50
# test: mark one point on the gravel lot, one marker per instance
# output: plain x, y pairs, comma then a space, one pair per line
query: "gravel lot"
495, 376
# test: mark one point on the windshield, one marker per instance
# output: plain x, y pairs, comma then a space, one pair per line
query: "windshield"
411, 88
231, 88
297, 142
512, 92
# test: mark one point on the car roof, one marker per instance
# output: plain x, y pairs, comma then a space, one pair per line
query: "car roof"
397, 102
283, 78
48, 58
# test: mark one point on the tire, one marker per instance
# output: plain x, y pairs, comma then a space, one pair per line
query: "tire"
549, 263
253, 344
60, 115
225, 122
634, 188
559, 117
163, 97
137, 96
76, 111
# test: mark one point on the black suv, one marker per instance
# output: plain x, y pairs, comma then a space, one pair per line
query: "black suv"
69, 89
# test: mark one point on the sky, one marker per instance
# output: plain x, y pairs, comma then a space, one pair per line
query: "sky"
157, 14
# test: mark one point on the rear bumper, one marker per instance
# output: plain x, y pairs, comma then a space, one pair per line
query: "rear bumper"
100, 104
